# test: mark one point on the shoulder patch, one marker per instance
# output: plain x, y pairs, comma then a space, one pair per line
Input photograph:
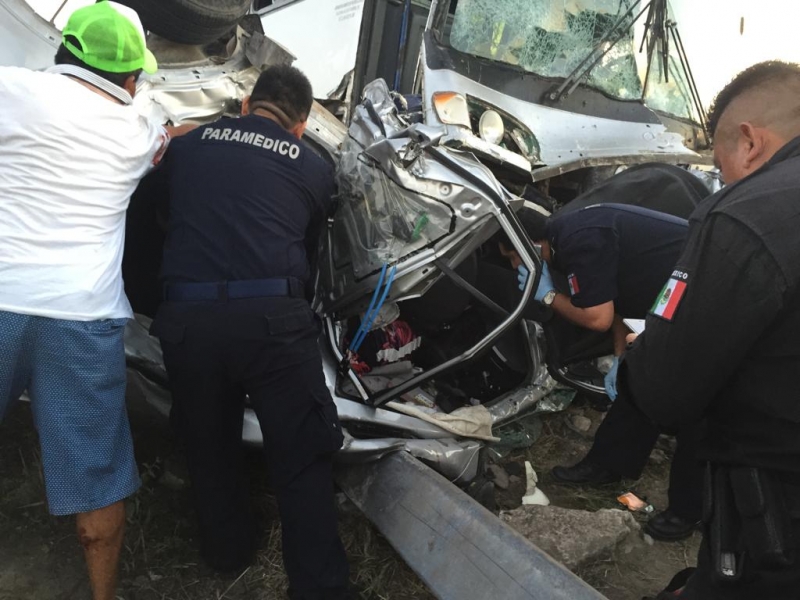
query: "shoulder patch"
574, 287
671, 295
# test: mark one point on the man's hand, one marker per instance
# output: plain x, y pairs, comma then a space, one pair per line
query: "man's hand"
545, 281
545, 284
611, 379
522, 276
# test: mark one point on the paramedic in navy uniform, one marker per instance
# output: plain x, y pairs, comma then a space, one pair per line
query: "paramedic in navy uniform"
616, 258
247, 201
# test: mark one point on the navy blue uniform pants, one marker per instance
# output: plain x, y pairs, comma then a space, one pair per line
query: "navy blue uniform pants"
623, 443
215, 353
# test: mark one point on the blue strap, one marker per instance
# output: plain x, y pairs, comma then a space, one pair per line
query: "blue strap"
369, 308
369, 319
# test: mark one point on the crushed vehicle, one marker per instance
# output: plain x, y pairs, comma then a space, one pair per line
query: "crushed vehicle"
551, 97
523, 106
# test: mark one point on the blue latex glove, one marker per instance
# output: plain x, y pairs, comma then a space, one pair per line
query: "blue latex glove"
522, 276
545, 283
611, 379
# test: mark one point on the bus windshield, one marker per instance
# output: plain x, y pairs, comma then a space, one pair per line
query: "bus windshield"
552, 37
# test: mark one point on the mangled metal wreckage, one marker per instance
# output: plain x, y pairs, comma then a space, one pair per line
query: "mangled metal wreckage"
411, 214
401, 255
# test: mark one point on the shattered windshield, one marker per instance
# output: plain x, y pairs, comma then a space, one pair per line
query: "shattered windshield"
551, 38
669, 92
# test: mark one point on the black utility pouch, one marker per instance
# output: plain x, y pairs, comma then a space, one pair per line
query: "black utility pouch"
723, 527
766, 522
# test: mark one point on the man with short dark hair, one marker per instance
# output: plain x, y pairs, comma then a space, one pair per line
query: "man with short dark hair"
247, 201
72, 151
722, 344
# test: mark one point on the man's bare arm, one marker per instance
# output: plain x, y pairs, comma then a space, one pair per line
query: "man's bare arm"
179, 130
597, 318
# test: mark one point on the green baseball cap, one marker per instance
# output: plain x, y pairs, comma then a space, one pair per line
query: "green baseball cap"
109, 37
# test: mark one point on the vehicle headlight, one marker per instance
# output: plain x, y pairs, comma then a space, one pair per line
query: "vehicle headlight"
491, 127
451, 108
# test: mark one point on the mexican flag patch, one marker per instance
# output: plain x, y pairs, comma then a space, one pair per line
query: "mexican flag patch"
670, 296
574, 288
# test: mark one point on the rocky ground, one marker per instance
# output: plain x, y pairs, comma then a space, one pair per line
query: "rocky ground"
615, 557
40, 559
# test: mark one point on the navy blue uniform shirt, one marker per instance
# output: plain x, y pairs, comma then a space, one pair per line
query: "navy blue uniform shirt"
615, 252
247, 201
729, 348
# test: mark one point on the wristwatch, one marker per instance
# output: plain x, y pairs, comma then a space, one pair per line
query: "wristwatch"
549, 298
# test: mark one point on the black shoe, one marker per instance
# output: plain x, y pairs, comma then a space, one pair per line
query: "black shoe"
585, 472
666, 526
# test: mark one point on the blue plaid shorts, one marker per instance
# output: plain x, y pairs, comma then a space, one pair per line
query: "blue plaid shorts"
74, 372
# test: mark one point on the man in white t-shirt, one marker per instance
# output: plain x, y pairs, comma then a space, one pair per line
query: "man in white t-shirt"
72, 150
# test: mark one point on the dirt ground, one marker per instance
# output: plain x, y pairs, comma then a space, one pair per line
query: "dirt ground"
41, 560
622, 576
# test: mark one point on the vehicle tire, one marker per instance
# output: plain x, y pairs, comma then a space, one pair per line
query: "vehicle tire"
595, 176
189, 21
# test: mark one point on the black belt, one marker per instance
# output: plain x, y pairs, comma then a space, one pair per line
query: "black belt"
224, 290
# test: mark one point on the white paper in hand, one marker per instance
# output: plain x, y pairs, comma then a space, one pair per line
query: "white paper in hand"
635, 325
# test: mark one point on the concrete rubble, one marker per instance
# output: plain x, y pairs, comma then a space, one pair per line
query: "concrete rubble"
499, 476
658, 457
575, 537
581, 423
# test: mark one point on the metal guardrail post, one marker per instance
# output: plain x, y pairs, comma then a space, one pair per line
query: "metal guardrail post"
458, 548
